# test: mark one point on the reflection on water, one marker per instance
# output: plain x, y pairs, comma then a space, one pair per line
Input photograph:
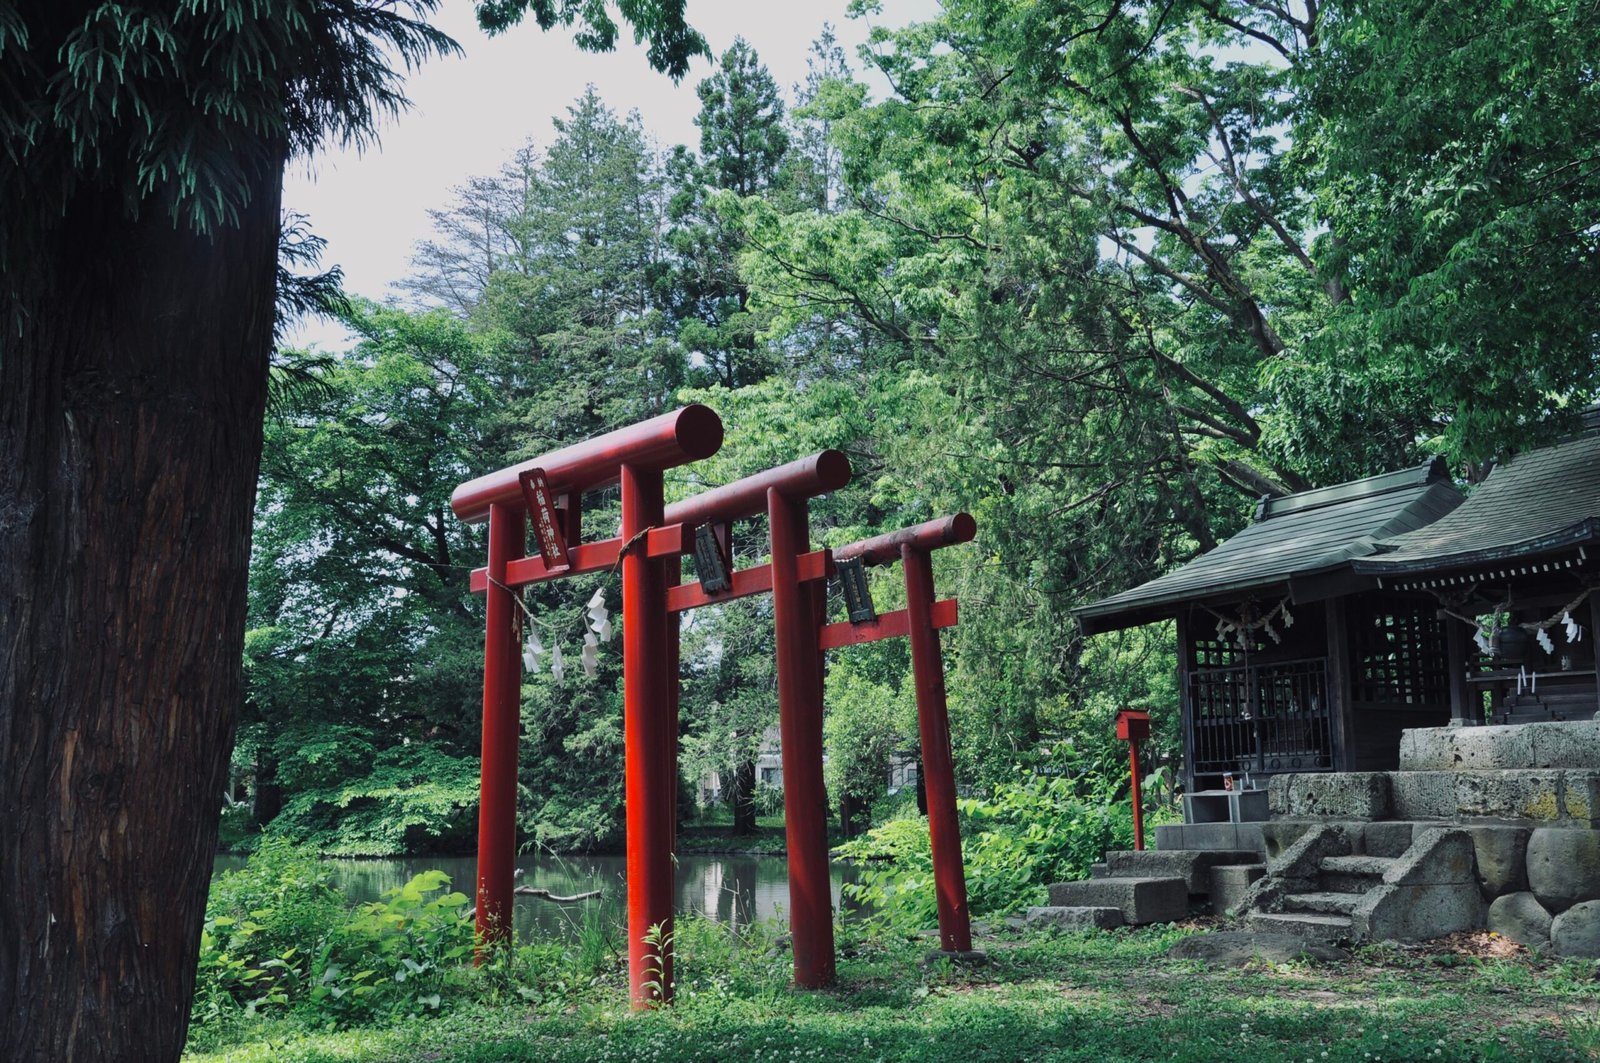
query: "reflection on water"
735, 890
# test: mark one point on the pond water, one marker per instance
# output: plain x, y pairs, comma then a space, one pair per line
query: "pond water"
732, 889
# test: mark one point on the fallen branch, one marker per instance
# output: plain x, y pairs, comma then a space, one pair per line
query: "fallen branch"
535, 891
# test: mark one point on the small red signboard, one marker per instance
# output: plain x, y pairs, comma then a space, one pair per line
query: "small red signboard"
542, 515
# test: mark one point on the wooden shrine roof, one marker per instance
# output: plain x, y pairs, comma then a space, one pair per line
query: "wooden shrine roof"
1542, 501
1305, 532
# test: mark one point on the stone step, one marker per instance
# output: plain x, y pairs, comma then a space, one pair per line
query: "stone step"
1192, 865
1328, 903
1078, 917
1353, 874
1099, 871
1229, 884
1304, 925
1141, 900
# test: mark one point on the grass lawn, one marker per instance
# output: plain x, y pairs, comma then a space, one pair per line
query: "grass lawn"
1103, 996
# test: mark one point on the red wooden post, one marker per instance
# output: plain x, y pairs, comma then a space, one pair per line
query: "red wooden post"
502, 675
646, 708
1138, 803
1133, 726
938, 769
805, 801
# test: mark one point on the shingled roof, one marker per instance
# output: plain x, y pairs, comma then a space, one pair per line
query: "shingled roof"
1309, 531
1544, 500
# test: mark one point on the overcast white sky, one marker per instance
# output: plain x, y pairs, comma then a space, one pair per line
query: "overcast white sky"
470, 113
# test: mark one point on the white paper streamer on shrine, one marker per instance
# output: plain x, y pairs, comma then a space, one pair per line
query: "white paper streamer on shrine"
532, 649
591, 654
558, 667
599, 616
1545, 642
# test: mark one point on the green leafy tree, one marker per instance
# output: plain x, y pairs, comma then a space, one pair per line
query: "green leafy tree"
743, 141
145, 147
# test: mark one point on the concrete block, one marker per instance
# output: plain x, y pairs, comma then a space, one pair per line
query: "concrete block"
1170, 836
1576, 931
1074, 918
1230, 885
1438, 856
1423, 794
1192, 865
1502, 855
1564, 866
1141, 900
1333, 795
1418, 912
1520, 917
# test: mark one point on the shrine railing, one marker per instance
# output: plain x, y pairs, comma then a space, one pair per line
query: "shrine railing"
1264, 719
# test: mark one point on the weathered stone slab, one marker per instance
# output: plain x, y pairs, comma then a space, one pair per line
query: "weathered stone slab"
1418, 912
1230, 885
1299, 866
1074, 918
1576, 931
1279, 834
1580, 797
1141, 900
1386, 837
1235, 948
1423, 794
1512, 746
1502, 855
1520, 917
1192, 865
1331, 795
1307, 926
1440, 856
1564, 866
1509, 794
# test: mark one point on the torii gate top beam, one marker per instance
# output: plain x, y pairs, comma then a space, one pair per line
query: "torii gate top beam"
663, 442
825, 471
885, 549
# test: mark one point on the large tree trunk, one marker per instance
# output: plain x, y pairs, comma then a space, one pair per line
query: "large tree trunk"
742, 795
133, 370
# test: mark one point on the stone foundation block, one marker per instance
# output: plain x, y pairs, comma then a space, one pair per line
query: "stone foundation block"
1192, 865
1512, 746
1141, 900
1424, 794
1576, 931
1520, 917
1510, 794
1386, 837
1335, 795
1230, 885
1075, 918
1437, 857
1502, 854
1417, 912
1564, 866
1279, 834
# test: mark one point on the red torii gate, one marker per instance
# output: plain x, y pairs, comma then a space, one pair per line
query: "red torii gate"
634, 457
550, 488
921, 620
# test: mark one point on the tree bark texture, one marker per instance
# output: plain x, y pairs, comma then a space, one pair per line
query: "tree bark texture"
133, 367
743, 797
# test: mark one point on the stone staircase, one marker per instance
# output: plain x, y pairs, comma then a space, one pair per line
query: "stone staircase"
1321, 888
1135, 888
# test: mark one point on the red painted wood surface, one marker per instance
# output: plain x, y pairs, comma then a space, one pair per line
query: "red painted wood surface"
673, 439
805, 801
646, 719
938, 767
502, 675
888, 625
668, 541
885, 549
756, 579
